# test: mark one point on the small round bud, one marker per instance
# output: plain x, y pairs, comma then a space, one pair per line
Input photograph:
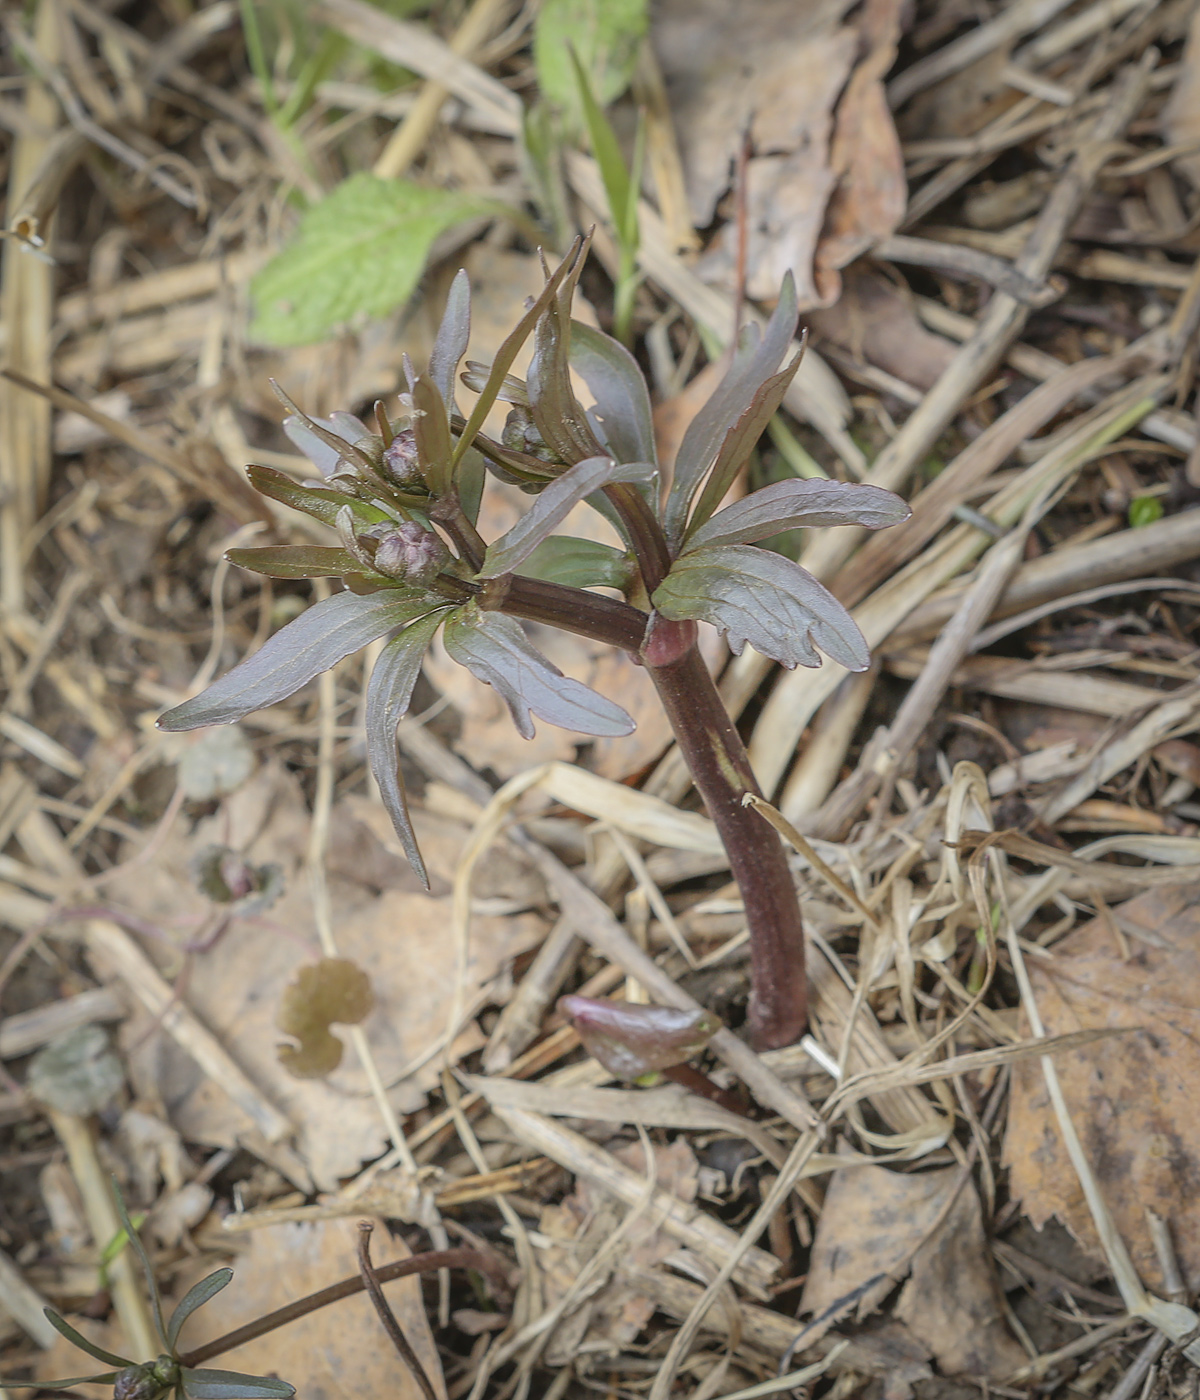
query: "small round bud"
400, 460
410, 552
521, 435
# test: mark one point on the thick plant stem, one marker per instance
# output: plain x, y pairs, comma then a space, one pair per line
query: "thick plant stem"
721, 771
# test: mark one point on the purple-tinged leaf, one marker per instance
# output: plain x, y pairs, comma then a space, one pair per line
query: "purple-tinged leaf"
389, 693
295, 560
553, 506
740, 441
450, 345
346, 447
194, 1298
762, 598
318, 639
512, 389
67, 1383
494, 649
788, 505
77, 1339
579, 563
631, 1039
559, 416
312, 437
622, 416
756, 360
204, 1383
320, 502
431, 425
498, 375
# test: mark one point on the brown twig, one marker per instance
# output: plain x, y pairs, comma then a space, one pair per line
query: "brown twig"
386, 1316
426, 1263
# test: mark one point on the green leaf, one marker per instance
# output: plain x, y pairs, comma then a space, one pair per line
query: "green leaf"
295, 560
761, 598
194, 1298
318, 501
579, 563
432, 430
68, 1383
389, 693
607, 150
1144, 510
318, 639
359, 251
605, 33
206, 1384
60, 1324
495, 649
552, 507
135, 1241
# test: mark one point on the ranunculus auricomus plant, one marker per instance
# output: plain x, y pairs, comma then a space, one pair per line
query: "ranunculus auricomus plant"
404, 502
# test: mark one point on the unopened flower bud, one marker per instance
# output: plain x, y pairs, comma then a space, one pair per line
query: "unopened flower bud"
410, 552
631, 1039
400, 460
521, 435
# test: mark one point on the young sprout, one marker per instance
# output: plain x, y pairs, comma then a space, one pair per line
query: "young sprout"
150, 1380
405, 502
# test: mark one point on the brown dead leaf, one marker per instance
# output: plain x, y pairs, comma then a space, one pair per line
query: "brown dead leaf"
612, 1316
397, 937
337, 1351
1181, 112
1134, 1098
879, 1222
874, 321
869, 201
825, 167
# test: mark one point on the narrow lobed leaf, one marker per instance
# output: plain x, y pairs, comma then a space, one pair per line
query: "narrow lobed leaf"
622, 417
740, 442
68, 1383
321, 502
60, 1324
788, 505
495, 649
194, 1298
432, 428
296, 560
553, 506
318, 639
502, 363
389, 693
139, 1249
204, 1383
450, 344
756, 360
762, 598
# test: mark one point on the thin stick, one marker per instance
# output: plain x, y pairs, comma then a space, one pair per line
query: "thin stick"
384, 1311
346, 1288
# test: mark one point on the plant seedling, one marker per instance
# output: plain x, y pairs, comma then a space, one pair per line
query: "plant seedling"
150, 1380
404, 502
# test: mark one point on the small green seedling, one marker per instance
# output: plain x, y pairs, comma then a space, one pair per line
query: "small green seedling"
149, 1380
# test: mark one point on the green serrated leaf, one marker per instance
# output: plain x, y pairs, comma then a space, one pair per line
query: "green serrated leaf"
359, 252
605, 33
